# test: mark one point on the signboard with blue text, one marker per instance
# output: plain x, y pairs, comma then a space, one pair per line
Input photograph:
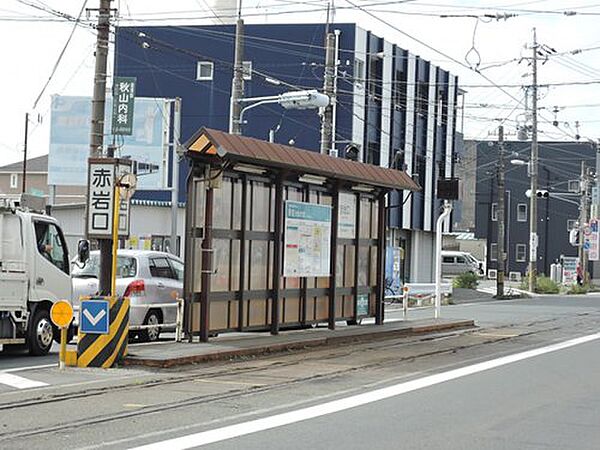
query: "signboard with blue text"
94, 316
307, 240
70, 137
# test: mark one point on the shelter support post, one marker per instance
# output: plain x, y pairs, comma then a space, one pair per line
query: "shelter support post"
188, 281
244, 226
379, 303
207, 266
277, 255
335, 201
356, 256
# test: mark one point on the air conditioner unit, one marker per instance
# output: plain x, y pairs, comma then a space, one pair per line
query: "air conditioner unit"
514, 276
333, 152
492, 274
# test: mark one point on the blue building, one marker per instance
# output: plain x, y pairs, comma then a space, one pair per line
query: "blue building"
397, 108
559, 172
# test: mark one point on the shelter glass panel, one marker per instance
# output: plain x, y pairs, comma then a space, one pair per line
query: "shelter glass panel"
259, 209
222, 253
222, 206
363, 266
365, 218
236, 185
258, 265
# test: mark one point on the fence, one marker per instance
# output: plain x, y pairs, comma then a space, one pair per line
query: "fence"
420, 293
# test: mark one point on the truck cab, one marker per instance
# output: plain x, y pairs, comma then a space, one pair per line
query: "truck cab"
34, 273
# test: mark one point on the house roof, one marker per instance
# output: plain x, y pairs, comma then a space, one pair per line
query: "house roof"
38, 164
208, 143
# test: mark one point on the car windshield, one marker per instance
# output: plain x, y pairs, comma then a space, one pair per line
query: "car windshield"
472, 258
126, 267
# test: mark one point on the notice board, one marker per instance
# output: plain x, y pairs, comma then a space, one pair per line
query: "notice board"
307, 240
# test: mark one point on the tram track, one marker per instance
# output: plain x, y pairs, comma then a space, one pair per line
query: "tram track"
314, 356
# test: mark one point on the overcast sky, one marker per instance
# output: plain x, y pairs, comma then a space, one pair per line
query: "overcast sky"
31, 45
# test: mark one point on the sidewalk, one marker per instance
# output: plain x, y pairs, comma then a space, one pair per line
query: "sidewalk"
234, 345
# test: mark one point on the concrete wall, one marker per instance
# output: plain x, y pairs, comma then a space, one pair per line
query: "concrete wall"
146, 222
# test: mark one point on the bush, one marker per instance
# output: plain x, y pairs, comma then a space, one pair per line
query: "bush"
545, 285
577, 289
467, 280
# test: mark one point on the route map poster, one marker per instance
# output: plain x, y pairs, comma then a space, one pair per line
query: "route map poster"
307, 240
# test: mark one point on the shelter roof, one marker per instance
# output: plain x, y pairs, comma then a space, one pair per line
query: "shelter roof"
240, 149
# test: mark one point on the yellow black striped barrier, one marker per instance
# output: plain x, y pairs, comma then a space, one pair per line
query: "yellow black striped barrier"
105, 350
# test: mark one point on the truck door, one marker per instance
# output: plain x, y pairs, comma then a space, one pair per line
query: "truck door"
51, 279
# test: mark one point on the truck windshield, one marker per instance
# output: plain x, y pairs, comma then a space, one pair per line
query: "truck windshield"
126, 267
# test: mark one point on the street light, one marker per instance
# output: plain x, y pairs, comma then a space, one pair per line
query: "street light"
310, 99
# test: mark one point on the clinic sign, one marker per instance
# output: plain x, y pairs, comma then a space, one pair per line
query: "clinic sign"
123, 101
102, 177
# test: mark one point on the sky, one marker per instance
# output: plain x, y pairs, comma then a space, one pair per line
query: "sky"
481, 42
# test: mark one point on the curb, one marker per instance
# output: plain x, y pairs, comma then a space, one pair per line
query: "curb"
297, 345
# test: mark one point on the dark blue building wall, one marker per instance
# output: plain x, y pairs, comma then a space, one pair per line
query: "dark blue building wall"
559, 162
164, 60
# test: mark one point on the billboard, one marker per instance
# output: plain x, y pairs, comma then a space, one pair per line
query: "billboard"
70, 139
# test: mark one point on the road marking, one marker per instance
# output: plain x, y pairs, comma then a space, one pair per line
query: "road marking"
279, 420
21, 369
19, 382
94, 319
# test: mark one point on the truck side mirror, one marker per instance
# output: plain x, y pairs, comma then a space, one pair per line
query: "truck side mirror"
83, 251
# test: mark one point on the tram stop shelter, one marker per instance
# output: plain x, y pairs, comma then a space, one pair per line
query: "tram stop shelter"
280, 237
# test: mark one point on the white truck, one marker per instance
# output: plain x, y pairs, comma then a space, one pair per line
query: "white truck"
34, 273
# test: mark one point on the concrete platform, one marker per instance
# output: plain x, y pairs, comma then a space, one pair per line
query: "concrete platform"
235, 345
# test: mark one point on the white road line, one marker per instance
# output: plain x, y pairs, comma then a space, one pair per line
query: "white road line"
21, 369
279, 420
19, 382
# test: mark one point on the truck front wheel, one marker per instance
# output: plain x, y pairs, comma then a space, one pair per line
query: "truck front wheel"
40, 335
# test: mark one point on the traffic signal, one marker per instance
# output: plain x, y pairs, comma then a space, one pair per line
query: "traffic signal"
540, 193
574, 237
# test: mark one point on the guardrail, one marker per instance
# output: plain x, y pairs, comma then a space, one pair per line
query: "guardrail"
419, 292
178, 324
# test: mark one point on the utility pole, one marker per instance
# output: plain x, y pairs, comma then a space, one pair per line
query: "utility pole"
97, 129
533, 240
328, 88
24, 180
501, 253
237, 84
583, 218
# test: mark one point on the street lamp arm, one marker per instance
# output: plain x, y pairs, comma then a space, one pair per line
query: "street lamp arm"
254, 105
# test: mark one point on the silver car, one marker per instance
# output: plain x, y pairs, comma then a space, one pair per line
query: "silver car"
146, 277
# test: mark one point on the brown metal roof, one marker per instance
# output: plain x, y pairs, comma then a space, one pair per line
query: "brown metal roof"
270, 155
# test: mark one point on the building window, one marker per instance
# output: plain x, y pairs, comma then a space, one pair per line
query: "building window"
571, 224
247, 70
573, 186
204, 70
359, 72
522, 212
521, 252
14, 180
494, 252
494, 212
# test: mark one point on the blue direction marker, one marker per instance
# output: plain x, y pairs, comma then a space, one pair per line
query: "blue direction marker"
94, 316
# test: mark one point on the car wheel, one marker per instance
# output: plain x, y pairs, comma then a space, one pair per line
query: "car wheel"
41, 333
151, 334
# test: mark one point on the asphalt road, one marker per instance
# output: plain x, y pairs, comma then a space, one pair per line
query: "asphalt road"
456, 390
550, 401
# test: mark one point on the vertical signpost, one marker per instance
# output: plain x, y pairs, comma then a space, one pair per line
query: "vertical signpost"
123, 101
592, 240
